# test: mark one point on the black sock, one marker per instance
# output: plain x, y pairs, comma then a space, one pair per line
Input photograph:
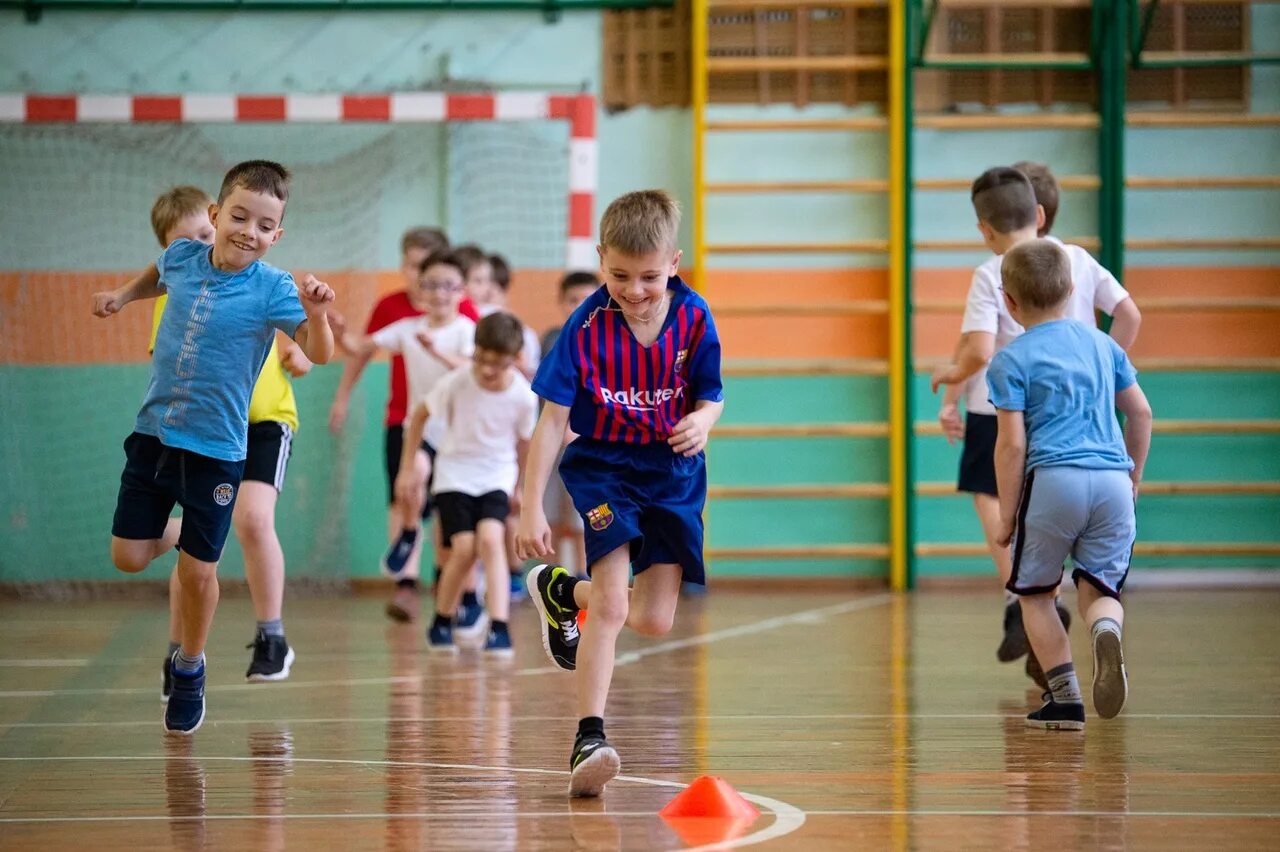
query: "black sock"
562, 592
407, 583
442, 621
591, 726
499, 627
469, 599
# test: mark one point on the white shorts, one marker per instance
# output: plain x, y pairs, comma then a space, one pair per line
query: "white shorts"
1077, 512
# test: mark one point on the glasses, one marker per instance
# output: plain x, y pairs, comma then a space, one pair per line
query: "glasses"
435, 286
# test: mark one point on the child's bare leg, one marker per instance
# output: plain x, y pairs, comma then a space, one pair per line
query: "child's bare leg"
254, 521
175, 609
654, 596
131, 555
200, 594
607, 599
1065, 708
1105, 617
491, 536
988, 509
462, 554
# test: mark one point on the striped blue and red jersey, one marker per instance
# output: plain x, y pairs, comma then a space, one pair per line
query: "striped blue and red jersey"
619, 391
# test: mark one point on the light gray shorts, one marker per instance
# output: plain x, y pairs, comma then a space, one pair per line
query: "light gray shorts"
1073, 511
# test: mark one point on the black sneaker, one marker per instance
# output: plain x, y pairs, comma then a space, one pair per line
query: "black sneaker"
440, 638
559, 625
1057, 717
272, 658
1110, 681
594, 764
398, 555
166, 679
1014, 644
184, 712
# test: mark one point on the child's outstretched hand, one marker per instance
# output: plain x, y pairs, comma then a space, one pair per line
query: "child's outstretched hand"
427, 341
315, 294
689, 437
533, 535
106, 304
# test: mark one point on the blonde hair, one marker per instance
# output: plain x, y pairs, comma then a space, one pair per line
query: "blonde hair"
175, 205
1037, 274
641, 222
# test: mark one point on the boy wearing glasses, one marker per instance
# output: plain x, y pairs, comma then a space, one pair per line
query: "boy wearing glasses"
432, 345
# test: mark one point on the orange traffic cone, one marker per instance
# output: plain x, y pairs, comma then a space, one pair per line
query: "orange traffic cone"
709, 811
709, 796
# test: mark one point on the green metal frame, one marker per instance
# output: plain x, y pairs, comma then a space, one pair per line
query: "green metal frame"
1138, 43
550, 9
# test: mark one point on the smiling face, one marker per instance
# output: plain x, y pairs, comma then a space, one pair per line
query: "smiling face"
638, 283
246, 224
439, 290
492, 370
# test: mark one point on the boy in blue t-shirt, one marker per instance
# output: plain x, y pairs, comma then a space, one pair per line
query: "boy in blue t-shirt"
1068, 477
190, 438
636, 374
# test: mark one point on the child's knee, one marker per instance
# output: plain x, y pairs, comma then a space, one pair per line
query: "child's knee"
609, 607
130, 556
254, 527
652, 622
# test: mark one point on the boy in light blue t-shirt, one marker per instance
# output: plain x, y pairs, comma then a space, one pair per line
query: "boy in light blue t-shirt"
1068, 477
190, 438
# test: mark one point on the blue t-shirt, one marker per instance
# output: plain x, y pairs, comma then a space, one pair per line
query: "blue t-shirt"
212, 341
1064, 377
617, 390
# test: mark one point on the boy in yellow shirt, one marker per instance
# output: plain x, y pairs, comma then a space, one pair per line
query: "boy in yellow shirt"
183, 212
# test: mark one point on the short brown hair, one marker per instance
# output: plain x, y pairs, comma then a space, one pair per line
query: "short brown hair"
262, 176
578, 279
641, 222
501, 271
469, 257
1037, 273
1004, 199
441, 257
500, 332
423, 237
1045, 186
175, 205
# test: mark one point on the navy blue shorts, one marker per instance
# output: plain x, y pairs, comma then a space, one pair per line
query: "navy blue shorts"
978, 460
642, 495
156, 477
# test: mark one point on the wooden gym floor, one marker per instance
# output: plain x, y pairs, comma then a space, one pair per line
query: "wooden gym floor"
852, 720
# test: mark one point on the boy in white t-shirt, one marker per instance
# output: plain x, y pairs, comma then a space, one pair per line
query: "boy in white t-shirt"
486, 413
1005, 202
432, 346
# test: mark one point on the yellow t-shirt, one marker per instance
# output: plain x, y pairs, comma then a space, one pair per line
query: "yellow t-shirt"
272, 394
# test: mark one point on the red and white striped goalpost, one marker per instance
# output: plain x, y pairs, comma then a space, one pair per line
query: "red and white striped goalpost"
579, 110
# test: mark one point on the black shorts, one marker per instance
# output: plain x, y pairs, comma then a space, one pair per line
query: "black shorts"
978, 461
461, 513
156, 477
393, 445
270, 445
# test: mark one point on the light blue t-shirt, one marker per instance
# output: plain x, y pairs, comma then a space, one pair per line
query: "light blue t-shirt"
1064, 376
212, 341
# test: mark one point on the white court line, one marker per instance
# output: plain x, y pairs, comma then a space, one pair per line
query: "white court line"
730, 717
980, 813
808, 616
787, 818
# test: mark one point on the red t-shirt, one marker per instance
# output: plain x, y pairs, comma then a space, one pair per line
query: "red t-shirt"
394, 308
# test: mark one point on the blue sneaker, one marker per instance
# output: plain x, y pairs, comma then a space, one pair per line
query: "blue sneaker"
185, 711
499, 644
518, 590
440, 638
471, 621
398, 556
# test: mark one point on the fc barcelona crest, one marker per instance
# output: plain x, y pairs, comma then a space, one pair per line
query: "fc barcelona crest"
600, 517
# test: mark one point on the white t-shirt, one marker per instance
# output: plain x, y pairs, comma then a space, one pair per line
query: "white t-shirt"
985, 310
477, 449
422, 369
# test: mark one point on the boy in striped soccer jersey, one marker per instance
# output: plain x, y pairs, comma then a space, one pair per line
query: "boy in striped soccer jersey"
636, 374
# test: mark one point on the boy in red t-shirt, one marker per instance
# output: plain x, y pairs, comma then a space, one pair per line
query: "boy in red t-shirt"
415, 246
